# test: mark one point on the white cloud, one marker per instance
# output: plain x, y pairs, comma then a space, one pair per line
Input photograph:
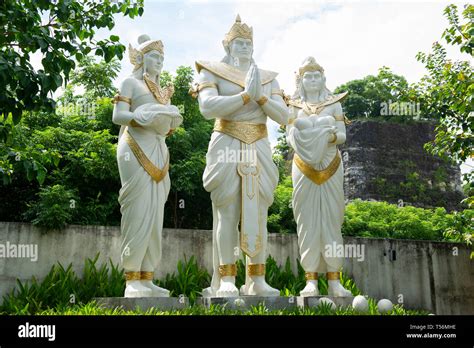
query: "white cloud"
350, 39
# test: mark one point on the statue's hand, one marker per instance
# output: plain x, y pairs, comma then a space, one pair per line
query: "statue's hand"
250, 83
258, 84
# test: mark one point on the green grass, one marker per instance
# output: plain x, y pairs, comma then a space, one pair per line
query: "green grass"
93, 309
62, 292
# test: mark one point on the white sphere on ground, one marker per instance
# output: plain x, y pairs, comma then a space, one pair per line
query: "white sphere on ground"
384, 306
327, 302
360, 304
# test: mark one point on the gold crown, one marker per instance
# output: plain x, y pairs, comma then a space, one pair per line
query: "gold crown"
146, 45
310, 64
153, 45
239, 30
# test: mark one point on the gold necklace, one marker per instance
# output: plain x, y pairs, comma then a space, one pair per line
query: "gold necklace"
161, 95
316, 108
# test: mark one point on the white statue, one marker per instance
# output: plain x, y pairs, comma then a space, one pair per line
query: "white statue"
240, 97
315, 131
144, 111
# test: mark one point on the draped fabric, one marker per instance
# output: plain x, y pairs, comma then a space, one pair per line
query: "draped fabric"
142, 200
222, 180
318, 209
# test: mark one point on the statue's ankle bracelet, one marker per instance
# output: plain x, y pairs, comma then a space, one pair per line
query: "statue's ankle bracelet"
229, 270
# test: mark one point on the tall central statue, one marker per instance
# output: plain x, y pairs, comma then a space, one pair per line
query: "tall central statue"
240, 97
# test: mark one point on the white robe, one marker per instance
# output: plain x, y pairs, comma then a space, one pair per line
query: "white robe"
318, 209
142, 200
222, 180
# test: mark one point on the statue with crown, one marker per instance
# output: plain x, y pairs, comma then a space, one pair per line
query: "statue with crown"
146, 116
240, 97
316, 127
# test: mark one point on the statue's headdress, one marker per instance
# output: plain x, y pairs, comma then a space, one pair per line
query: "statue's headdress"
238, 30
145, 45
309, 64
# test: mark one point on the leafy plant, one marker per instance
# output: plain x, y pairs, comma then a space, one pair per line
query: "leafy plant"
189, 281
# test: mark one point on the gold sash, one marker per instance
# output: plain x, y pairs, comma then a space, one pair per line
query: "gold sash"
318, 176
156, 173
244, 131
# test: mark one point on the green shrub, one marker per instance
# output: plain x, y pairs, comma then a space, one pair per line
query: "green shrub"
62, 289
189, 281
384, 220
54, 208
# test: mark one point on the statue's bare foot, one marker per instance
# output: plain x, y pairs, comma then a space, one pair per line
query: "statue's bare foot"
257, 286
337, 290
311, 289
227, 288
134, 288
208, 292
156, 290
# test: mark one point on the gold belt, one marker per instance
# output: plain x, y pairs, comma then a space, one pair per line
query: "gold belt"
244, 131
156, 173
318, 176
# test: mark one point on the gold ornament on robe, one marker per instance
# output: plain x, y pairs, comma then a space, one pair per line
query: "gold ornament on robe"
319, 177
316, 108
246, 132
156, 173
162, 95
232, 74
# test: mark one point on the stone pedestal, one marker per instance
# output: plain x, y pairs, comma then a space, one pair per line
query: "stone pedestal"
246, 302
313, 301
144, 303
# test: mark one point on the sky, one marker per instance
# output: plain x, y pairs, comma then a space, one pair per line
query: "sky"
350, 39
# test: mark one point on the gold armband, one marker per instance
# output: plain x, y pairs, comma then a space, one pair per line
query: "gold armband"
333, 275
311, 275
198, 87
343, 118
229, 270
245, 98
118, 98
262, 100
335, 138
257, 269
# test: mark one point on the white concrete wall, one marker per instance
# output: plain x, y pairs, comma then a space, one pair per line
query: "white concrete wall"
428, 275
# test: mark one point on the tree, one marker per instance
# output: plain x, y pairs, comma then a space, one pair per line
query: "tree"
189, 205
366, 96
62, 30
96, 77
448, 92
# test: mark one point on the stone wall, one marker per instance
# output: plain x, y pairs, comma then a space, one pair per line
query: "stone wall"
387, 162
428, 275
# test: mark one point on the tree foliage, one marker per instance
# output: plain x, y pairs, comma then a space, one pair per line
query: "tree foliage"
448, 91
367, 95
62, 30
